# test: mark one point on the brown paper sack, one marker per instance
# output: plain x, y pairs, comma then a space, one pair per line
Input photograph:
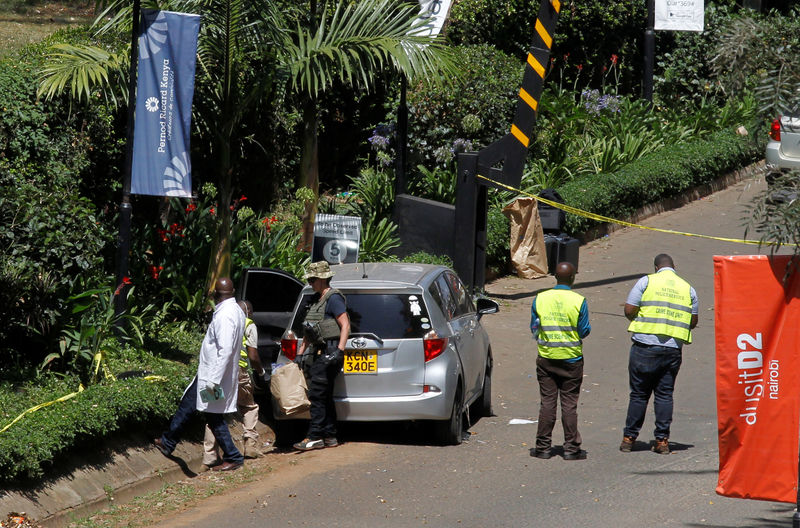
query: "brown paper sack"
528, 253
289, 390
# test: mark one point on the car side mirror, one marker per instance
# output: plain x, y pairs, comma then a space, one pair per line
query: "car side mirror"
487, 306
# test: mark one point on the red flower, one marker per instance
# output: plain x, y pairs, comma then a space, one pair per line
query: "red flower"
605, 68
242, 198
212, 210
614, 58
191, 207
566, 56
232, 208
125, 280
580, 67
155, 270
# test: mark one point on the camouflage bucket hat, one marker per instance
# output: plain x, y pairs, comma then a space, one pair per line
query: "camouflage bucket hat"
320, 270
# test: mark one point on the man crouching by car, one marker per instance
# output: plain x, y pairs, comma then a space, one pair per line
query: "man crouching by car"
325, 331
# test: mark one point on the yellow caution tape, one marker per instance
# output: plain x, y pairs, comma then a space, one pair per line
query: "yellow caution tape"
601, 218
99, 359
36, 408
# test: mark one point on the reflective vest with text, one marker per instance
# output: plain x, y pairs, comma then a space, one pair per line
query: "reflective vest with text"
665, 308
558, 312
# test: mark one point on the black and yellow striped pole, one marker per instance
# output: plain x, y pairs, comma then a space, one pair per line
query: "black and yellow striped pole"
503, 160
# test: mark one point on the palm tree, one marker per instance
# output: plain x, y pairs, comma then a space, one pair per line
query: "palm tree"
246, 50
353, 45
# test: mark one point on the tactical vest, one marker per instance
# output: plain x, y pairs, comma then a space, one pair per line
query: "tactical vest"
665, 308
318, 329
558, 312
244, 359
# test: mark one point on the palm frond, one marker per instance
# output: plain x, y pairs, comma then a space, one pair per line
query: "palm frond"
82, 70
360, 39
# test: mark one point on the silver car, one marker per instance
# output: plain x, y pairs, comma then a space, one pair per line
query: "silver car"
783, 148
417, 349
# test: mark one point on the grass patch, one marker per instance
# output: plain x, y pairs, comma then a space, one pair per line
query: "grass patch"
26, 22
153, 508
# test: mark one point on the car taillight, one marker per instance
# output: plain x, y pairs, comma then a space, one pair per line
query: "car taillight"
775, 130
433, 345
289, 346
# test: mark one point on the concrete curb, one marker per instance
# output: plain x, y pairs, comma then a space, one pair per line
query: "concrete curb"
119, 470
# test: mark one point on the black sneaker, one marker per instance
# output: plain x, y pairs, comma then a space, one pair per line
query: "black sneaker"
308, 444
544, 454
579, 455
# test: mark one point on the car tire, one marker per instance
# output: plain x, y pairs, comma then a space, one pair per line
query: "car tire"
483, 405
450, 431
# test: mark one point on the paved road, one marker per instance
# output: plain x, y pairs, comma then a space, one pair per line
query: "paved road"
389, 477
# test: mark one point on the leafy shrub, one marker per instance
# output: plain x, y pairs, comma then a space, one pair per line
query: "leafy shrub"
378, 238
371, 194
30, 446
422, 257
509, 25
662, 174
55, 240
488, 93
498, 231
438, 184
684, 70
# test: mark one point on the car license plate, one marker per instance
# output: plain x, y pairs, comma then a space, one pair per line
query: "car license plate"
360, 362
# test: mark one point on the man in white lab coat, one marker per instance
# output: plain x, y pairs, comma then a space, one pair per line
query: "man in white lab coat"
213, 390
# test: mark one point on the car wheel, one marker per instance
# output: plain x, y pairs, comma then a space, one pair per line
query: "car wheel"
449, 432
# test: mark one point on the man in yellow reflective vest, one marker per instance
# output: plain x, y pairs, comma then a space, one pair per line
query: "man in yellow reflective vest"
662, 308
559, 322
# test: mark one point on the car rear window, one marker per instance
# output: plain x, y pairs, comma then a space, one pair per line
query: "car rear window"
387, 315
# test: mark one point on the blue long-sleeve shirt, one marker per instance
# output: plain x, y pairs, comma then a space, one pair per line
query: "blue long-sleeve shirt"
583, 316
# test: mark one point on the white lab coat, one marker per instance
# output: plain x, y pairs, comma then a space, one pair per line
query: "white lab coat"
219, 357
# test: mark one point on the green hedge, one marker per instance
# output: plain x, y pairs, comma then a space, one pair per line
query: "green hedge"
30, 446
664, 174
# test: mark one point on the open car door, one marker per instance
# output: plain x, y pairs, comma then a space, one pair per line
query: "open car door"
273, 294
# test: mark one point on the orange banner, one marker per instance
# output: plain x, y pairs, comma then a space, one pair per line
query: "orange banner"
758, 376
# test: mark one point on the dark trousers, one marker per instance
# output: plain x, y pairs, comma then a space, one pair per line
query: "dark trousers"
216, 422
326, 366
651, 370
559, 378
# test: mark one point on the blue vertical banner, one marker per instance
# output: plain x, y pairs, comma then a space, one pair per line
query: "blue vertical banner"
164, 91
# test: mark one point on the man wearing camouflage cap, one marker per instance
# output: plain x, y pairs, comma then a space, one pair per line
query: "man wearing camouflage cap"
325, 331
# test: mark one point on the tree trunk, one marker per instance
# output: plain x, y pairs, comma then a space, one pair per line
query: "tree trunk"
309, 170
220, 263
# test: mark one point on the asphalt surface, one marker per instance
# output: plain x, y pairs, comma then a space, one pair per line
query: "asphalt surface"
390, 475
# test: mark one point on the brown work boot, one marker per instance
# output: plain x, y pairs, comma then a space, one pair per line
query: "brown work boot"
251, 449
627, 444
661, 446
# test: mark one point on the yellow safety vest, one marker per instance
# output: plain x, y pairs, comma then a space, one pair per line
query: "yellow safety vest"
558, 312
665, 308
244, 359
